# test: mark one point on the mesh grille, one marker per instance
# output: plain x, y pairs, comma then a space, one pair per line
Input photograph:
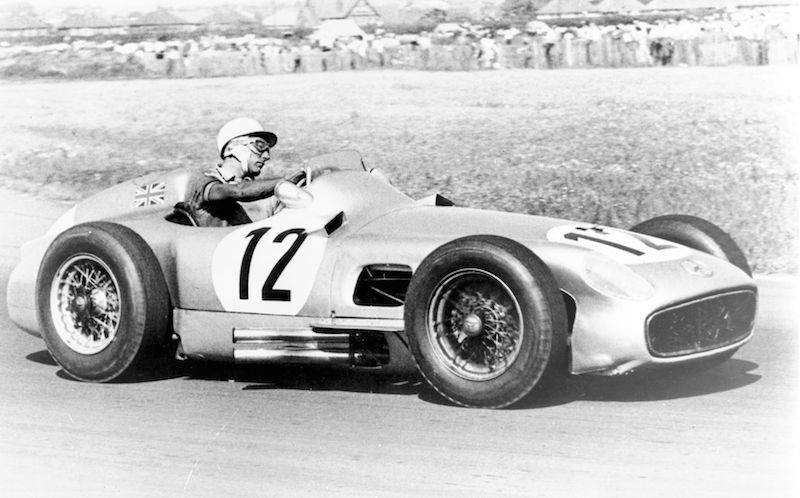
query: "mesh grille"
701, 325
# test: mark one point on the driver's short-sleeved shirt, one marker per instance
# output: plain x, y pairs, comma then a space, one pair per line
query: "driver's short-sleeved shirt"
213, 213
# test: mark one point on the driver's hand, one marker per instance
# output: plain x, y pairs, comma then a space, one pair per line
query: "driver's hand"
295, 178
310, 174
316, 172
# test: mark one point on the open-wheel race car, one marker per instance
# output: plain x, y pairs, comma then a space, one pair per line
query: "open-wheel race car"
489, 306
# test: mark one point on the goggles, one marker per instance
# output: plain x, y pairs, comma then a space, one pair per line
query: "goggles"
256, 144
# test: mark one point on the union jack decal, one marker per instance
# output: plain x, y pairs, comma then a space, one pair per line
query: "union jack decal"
149, 195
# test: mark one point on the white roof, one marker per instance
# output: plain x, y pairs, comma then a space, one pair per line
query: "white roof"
448, 27
331, 29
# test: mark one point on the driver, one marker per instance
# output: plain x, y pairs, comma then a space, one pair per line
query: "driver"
214, 195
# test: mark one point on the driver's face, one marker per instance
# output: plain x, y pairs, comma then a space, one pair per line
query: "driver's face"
256, 162
259, 154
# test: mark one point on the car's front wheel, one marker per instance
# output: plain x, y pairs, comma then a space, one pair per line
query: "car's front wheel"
696, 233
486, 322
103, 305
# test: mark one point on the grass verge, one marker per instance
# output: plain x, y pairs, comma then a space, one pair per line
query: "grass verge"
608, 146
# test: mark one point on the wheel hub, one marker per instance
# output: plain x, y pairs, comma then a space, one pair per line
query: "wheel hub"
79, 304
99, 301
473, 325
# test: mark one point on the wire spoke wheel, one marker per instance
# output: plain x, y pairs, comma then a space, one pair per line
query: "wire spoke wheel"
485, 321
475, 324
102, 302
85, 304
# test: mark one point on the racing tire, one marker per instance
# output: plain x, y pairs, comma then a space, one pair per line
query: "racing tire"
486, 322
103, 304
698, 234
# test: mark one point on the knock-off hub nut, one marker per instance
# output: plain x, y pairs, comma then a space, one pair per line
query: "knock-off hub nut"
473, 325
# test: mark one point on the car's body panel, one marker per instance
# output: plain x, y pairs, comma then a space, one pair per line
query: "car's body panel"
298, 269
210, 335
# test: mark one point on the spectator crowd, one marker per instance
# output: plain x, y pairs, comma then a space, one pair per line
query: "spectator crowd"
742, 37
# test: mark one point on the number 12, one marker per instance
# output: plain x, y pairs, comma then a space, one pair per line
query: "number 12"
268, 291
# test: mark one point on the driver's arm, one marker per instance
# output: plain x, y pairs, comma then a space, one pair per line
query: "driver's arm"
243, 191
246, 191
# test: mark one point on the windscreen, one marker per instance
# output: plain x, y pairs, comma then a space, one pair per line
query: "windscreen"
342, 159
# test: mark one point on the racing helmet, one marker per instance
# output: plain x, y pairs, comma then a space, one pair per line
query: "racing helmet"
241, 127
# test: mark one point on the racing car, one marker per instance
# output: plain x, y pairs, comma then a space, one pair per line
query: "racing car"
489, 306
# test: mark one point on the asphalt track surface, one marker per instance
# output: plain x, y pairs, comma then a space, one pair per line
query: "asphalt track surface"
213, 430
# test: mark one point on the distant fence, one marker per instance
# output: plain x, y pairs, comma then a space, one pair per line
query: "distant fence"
529, 52
537, 54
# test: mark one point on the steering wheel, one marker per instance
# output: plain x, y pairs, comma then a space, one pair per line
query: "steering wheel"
303, 177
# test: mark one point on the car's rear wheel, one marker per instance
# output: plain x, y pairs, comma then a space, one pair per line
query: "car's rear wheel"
485, 321
103, 304
696, 233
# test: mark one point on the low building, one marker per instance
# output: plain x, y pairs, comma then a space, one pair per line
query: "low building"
314, 12
22, 26
89, 24
161, 22
227, 19
595, 8
364, 14
707, 5
569, 8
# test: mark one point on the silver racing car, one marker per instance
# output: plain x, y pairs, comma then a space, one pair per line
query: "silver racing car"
489, 306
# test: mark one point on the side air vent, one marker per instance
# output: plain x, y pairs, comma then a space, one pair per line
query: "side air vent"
382, 285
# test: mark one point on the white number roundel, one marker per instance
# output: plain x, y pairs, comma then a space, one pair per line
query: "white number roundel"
270, 266
620, 245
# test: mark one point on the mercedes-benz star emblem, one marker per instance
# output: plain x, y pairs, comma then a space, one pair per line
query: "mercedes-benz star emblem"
694, 267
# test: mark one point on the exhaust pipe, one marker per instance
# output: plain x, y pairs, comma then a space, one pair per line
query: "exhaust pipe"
363, 349
270, 355
293, 346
